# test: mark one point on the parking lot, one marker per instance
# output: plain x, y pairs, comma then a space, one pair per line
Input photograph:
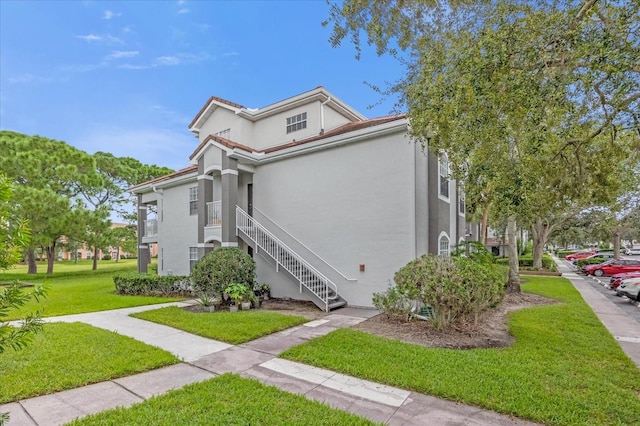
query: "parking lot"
628, 306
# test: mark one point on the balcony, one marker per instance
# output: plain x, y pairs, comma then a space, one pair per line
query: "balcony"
214, 213
213, 225
151, 228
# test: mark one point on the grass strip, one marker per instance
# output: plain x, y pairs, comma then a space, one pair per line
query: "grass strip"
75, 288
230, 327
66, 356
225, 400
564, 369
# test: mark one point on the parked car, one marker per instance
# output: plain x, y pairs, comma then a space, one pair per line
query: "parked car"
604, 256
630, 288
616, 279
612, 267
635, 251
579, 255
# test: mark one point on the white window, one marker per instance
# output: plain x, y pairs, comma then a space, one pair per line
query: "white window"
461, 202
443, 177
193, 200
226, 133
193, 257
443, 246
297, 122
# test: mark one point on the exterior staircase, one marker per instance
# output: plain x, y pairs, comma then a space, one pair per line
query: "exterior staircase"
323, 292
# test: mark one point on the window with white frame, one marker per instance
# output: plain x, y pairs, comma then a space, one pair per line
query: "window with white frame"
462, 207
297, 122
193, 257
443, 246
443, 177
226, 133
193, 200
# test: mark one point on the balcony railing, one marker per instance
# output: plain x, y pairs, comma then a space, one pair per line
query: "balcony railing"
150, 227
214, 213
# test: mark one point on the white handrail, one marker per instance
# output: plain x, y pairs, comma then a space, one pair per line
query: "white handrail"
306, 274
304, 245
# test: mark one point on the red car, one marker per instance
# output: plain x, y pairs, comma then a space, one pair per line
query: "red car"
612, 267
580, 255
617, 278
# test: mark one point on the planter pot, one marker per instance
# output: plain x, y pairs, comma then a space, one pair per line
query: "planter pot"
265, 296
233, 308
210, 308
246, 306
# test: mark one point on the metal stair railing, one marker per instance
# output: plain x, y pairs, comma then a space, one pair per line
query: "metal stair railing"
285, 257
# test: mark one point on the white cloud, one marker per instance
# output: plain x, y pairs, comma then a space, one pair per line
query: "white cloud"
108, 38
183, 11
119, 54
228, 54
168, 60
151, 145
180, 2
89, 37
126, 30
109, 14
35, 79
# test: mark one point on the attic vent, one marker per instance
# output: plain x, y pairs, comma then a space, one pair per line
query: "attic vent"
297, 122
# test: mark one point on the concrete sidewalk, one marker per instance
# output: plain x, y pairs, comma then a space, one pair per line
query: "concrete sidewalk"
622, 327
206, 358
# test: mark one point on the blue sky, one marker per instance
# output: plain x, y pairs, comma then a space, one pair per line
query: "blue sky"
127, 77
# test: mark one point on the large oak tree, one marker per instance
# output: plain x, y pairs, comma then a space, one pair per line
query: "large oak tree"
536, 95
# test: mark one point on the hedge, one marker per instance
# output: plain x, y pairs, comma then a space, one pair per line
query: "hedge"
590, 261
527, 262
152, 285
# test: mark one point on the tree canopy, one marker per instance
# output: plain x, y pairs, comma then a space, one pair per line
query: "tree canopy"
535, 103
63, 191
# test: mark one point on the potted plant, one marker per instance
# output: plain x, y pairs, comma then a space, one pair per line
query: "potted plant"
264, 290
208, 302
238, 293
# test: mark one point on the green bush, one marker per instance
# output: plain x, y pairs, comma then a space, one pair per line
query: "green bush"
106, 257
590, 261
563, 253
222, 267
458, 288
151, 285
526, 262
393, 303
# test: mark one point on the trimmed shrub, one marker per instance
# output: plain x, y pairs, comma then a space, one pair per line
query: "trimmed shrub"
393, 303
222, 267
526, 262
106, 257
458, 288
563, 253
590, 261
151, 285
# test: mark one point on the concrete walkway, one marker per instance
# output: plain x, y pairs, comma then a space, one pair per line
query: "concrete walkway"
206, 358
624, 328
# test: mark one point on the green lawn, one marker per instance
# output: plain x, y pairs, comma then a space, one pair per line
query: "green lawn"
564, 369
75, 288
230, 327
65, 356
225, 400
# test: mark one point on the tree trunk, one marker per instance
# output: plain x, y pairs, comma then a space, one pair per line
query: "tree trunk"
95, 259
513, 285
483, 225
31, 260
51, 252
616, 235
117, 254
540, 233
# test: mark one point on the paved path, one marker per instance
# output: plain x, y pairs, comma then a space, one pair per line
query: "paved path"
612, 312
206, 358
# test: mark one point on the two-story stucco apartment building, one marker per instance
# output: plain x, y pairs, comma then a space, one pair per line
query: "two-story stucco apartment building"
330, 204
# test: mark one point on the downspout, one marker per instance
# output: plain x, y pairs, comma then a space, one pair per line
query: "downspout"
322, 114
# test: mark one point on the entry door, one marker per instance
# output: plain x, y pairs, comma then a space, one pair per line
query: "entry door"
250, 199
